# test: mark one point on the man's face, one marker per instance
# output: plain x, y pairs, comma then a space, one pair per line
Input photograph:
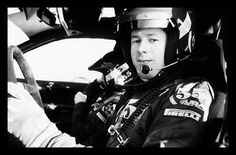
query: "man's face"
148, 48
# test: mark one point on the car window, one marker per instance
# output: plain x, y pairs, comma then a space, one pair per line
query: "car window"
15, 35
67, 60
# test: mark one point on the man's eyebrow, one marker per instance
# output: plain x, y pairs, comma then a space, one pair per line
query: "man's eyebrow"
152, 34
148, 34
134, 36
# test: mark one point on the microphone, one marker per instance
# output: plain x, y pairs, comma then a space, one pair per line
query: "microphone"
145, 69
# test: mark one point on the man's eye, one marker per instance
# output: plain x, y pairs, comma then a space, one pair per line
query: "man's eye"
135, 41
153, 40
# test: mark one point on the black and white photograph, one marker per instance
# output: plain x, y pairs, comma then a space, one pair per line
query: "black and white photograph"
117, 77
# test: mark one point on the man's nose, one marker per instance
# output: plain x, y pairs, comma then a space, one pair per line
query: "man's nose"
143, 47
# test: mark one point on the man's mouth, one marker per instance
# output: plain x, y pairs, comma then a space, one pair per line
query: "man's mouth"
143, 61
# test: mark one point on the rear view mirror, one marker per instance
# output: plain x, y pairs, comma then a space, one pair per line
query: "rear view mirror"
46, 16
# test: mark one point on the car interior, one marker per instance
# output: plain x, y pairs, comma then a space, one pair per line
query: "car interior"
210, 49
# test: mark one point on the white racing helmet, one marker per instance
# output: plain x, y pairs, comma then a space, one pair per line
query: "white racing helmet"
175, 21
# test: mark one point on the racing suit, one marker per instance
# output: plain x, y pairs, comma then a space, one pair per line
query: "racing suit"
174, 116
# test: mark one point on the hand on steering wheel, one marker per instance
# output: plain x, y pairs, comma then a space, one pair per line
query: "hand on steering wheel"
15, 53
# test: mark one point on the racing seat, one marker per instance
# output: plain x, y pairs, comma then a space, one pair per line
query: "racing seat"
218, 109
209, 50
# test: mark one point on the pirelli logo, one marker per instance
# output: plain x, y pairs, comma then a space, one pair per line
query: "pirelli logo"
182, 113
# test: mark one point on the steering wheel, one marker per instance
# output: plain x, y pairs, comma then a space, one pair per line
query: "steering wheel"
15, 53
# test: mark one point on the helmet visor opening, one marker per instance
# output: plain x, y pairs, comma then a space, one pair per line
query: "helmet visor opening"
146, 23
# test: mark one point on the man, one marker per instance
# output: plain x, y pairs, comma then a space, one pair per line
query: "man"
166, 105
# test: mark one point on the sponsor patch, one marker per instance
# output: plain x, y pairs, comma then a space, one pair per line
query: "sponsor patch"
128, 111
182, 113
196, 94
191, 103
